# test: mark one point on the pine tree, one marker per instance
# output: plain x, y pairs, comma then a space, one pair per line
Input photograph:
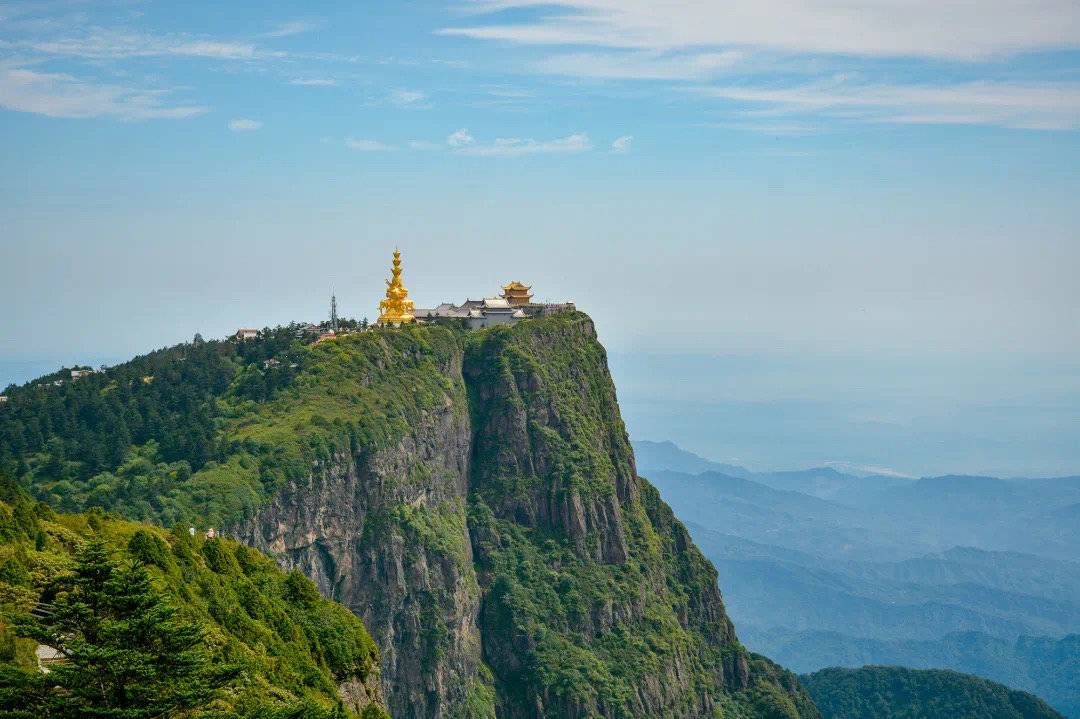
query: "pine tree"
128, 653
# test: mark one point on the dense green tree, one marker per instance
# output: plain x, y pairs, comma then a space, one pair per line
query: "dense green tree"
76, 428
110, 608
878, 692
127, 652
72, 441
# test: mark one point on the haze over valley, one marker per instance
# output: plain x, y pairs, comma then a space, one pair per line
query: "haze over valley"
823, 568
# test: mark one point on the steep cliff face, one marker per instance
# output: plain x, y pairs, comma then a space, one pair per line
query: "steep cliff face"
381, 527
550, 447
595, 601
488, 524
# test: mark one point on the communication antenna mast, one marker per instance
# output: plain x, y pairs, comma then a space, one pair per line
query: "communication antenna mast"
333, 312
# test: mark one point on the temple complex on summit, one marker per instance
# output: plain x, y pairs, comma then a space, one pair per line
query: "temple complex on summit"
515, 304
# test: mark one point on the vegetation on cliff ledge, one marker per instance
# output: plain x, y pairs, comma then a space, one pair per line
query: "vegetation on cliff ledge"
158, 623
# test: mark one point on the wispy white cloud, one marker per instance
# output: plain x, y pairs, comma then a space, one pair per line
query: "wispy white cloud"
1039, 106
519, 147
408, 98
880, 28
509, 93
292, 27
461, 141
367, 145
313, 82
739, 50
767, 125
621, 145
460, 138
66, 96
640, 65
244, 124
103, 44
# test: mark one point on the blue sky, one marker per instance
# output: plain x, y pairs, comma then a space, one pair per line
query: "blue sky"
814, 186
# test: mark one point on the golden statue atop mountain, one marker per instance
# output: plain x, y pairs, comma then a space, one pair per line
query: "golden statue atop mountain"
396, 308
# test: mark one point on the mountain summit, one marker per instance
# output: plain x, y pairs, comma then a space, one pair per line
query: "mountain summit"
471, 495
497, 540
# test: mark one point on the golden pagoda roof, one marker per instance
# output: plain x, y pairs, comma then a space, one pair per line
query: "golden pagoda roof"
396, 308
515, 285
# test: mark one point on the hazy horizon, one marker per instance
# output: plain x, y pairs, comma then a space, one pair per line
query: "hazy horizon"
786, 412
855, 241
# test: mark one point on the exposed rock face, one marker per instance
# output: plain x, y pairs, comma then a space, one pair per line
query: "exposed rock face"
384, 533
550, 443
359, 694
508, 560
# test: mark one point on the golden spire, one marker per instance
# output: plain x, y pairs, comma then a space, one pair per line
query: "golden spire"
396, 308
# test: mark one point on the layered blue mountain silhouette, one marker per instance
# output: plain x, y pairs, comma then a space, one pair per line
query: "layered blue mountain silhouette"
826, 568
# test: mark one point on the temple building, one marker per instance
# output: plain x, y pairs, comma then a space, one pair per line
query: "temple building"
517, 294
515, 304
494, 310
476, 313
396, 308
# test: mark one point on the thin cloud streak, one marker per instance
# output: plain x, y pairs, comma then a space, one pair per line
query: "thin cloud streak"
461, 142
101, 44
313, 82
640, 65
520, 147
65, 96
1034, 106
293, 27
367, 145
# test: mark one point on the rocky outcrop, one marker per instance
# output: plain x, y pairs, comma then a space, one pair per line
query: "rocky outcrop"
359, 694
552, 450
505, 555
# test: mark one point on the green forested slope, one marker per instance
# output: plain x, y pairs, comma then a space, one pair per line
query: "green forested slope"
899, 693
131, 438
159, 616
203, 433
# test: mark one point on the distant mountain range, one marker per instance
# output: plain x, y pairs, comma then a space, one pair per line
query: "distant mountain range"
669, 456
822, 568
